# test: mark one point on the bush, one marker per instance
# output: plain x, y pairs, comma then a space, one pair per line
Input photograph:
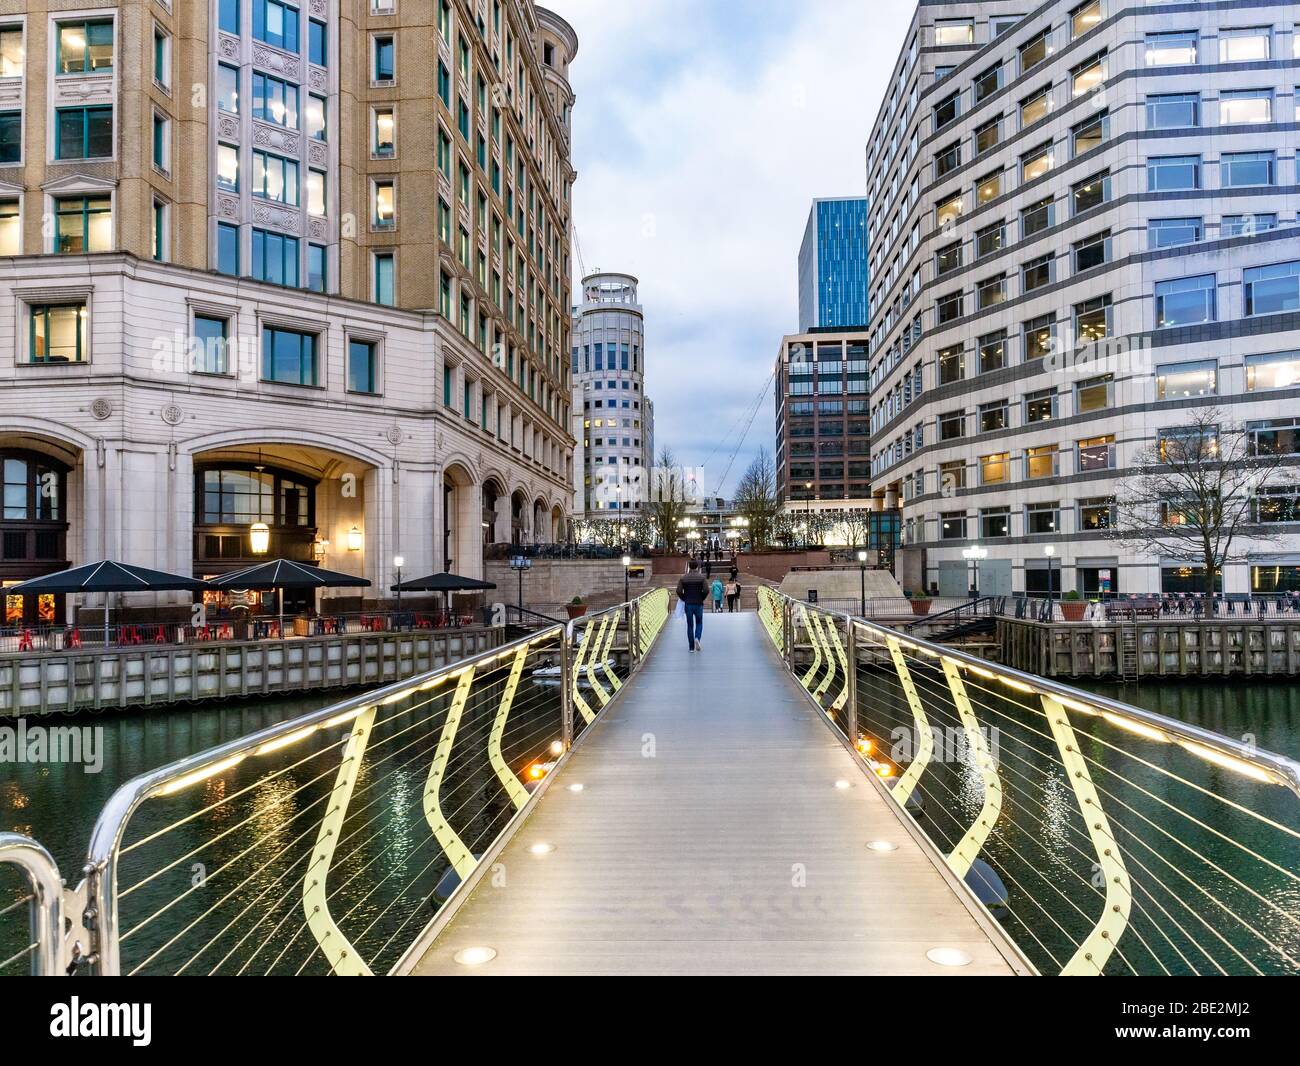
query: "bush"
1073, 594
577, 601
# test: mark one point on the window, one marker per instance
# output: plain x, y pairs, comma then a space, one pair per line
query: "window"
211, 343
1092, 319
947, 258
1088, 76
947, 212
1039, 336
58, 333
1240, 169
1090, 193
995, 523
288, 357
383, 271
948, 160
1173, 172
1089, 134
952, 365
83, 224
1040, 406
314, 117
228, 248
228, 88
1042, 518
1280, 370
275, 258
952, 525
1248, 45
1000, 24
275, 178
952, 425
84, 133
1036, 273
1036, 217
1247, 225
1097, 453
988, 83
952, 475
382, 143
1272, 289
228, 167
85, 47
276, 23
317, 43
159, 221
990, 239
11, 136
947, 111
384, 56
1034, 51
161, 142
990, 292
1245, 107
10, 228
1040, 461
949, 307
1173, 111
1171, 49
988, 189
1169, 232
1277, 503
1095, 394
362, 369
384, 215
995, 469
1084, 18
993, 352
1185, 302
988, 136
11, 52
1183, 381
994, 416
317, 272
1035, 107
161, 57
1275, 436
954, 32
316, 193
1036, 163
1091, 251
275, 101
228, 16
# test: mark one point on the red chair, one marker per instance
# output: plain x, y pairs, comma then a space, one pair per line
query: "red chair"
74, 638
160, 635
25, 641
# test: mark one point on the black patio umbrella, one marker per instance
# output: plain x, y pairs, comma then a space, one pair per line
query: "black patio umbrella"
446, 584
281, 574
107, 576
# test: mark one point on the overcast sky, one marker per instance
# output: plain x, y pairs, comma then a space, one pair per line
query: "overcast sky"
703, 129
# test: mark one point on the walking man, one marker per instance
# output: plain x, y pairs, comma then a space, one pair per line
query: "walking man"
693, 590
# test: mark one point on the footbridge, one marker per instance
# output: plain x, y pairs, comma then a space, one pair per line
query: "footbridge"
808, 793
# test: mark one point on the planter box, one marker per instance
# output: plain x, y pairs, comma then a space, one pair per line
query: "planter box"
576, 610
1073, 611
921, 606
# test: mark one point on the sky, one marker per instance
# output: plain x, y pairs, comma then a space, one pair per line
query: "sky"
703, 130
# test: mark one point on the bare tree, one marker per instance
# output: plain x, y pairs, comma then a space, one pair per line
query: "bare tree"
669, 498
755, 498
1196, 496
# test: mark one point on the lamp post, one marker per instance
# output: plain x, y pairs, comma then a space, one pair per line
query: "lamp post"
807, 522
973, 555
627, 563
862, 574
1050, 552
398, 563
520, 564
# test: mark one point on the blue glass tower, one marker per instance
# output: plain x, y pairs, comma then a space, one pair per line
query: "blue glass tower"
833, 265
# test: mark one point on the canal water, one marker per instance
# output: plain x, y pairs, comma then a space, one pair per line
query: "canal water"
259, 833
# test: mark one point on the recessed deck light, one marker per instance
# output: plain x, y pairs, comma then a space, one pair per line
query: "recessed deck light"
882, 845
475, 956
842, 784
948, 956
542, 848
576, 787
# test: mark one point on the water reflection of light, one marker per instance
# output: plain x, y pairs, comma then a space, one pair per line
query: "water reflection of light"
1058, 808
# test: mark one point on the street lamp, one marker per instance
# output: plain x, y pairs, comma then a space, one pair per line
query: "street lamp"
807, 522
259, 537
973, 555
520, 564
862, 573
1050, 552
398, 563
627, 563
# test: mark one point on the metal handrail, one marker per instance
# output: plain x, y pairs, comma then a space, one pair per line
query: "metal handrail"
45, 905
918, 687
971, 607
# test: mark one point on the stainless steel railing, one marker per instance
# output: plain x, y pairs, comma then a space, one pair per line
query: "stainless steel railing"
328, 843
1105, 838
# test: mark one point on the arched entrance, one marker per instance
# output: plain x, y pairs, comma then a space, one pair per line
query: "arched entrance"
541, 522
33, 526
518, 517
461, 521
493, 493
559, 534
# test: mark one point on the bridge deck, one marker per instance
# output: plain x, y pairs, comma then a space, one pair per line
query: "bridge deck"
687, 862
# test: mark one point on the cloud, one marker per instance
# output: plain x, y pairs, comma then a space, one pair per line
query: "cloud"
702, 133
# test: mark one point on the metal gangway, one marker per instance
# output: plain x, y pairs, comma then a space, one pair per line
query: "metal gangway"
811, 793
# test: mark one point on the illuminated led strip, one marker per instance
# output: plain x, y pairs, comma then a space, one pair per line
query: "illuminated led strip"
518, 794
584, 708
614, 682
924, 736
1091, 957
816, 647
336, 948
452, 845
834, 633
968, 848
594, 661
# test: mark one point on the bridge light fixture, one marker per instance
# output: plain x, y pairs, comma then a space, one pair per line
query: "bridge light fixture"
882, 845
474, 956
577, 786
841, 784
557, 747
948, 956
542, 847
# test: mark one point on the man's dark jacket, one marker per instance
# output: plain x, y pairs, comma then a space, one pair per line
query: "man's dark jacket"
693, 588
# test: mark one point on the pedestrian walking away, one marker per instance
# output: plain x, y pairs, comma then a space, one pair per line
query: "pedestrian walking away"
733, 596
716, 589
693, 590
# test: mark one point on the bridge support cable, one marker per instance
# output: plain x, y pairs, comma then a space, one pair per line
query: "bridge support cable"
1103, 838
